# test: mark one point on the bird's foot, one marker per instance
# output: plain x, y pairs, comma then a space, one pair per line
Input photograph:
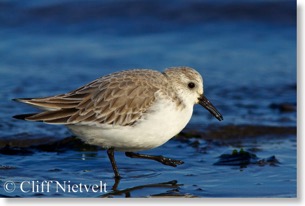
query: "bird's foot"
160, 158
169, 161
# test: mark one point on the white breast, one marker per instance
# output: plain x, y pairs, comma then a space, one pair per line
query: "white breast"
162, 122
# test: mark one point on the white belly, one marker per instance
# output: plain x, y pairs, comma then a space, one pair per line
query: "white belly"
155, 128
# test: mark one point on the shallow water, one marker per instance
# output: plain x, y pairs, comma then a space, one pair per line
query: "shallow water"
245, 50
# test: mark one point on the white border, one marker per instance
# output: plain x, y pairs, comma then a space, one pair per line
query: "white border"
207, 201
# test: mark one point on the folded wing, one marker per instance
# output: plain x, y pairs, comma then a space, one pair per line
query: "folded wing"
118, 99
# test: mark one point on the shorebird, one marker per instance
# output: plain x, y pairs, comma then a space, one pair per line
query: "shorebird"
129, 111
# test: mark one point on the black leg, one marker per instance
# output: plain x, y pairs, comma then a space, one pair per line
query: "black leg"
161, 159
110, 153
116, 184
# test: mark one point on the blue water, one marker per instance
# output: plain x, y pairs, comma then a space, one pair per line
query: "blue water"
245, 50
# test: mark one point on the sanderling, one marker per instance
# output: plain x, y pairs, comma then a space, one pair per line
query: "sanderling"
128, 111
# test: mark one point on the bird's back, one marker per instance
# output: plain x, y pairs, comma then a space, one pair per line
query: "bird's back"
118, 99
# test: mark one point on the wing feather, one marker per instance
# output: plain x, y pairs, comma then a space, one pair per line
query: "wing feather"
118, 99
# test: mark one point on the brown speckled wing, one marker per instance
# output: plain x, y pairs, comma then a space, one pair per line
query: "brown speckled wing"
118, 99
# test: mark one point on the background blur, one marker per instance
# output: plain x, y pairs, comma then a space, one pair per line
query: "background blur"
245, 50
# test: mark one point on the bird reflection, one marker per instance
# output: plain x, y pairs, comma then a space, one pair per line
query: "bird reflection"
172, 185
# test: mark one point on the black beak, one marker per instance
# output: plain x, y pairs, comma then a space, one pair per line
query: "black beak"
203, 101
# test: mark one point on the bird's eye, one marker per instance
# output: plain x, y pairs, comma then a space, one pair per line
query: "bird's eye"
191, 85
